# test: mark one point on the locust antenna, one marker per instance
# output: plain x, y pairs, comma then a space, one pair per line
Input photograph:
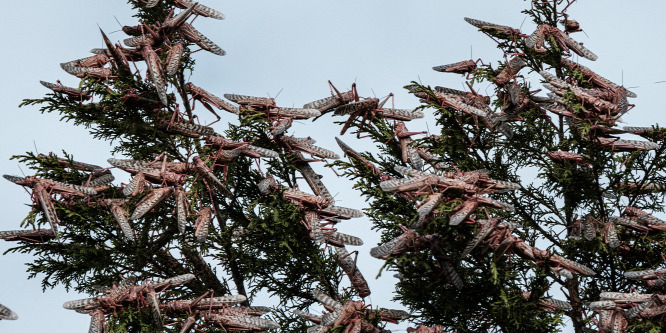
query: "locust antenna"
521, 24
622, 83
373, 92
35, 144
278, 94
471, 53
23, 173
419, 76
121, 26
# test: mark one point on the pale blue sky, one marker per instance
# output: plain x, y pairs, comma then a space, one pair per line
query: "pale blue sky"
293, 46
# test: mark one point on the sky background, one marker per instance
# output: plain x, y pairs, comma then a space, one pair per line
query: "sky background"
293, 48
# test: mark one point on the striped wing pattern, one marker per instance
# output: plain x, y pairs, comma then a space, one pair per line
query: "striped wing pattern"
314, 180
154, 302
204, 172
317, 329
407, 171
181, 212
155, 72
264, 152
249, 322
401, 114
202, 224
331, 102
48, 209
150, 201
135, 186
173, 58
102, 180
344, 212
427, 207
7, 314
343, 239
385, 250
81, 303
452, 275
485, 230
96, 322
577, 47
296, 113
402, 184
326, 300
194, 36
201, 9
331, 317
468, 207
121, 216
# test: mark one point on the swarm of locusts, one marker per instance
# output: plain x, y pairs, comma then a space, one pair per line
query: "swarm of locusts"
169, 176
591, 106
466, 199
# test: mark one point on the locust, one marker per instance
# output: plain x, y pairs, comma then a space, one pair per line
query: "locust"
72, 93
245, 148
202, 169
621, 145
512, 68
337, 99
200, 9
193, 35
149, 202
348, 265
155, 71
537, 38
593, 77
351, 153
208, 99
7, 314
41, 188
408, 241
563, 156
352, 316
409, 153
169, 172
369, 108
121, 216
173, 58
202, 224
301, 145
184, 128
461, 67
124, 294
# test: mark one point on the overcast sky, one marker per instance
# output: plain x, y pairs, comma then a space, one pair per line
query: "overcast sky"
293, 48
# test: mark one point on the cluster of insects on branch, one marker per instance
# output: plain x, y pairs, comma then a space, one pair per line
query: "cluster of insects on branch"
588, 103
175, 179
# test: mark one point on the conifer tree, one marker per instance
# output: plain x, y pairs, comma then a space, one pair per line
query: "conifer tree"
207, 220
466, 224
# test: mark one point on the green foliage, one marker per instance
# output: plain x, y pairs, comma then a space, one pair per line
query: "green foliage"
545, 207
273, 255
